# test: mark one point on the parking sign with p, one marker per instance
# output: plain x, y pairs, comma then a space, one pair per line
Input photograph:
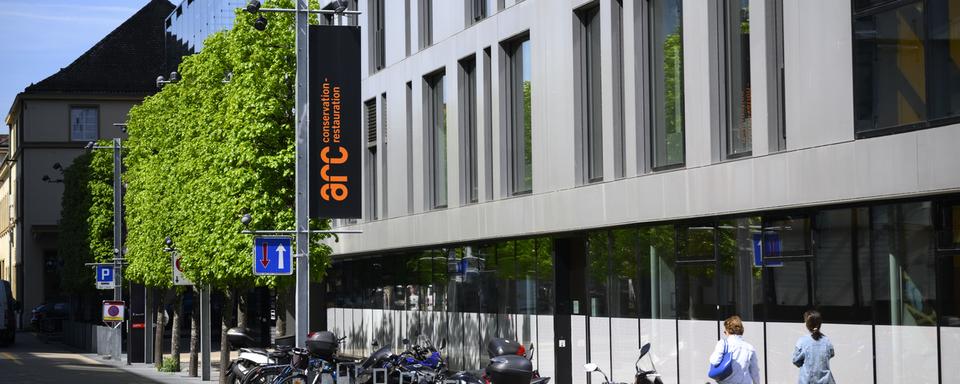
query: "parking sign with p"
105, 277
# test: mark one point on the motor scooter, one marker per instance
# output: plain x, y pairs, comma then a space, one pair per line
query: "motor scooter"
251, 355
641, 377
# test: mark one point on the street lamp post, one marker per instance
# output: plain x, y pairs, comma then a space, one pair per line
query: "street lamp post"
302, 210
118, 251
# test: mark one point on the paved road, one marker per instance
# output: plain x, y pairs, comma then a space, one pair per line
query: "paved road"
32, 361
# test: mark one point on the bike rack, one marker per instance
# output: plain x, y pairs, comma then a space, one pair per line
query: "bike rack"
411, 375
380, 376
347, 372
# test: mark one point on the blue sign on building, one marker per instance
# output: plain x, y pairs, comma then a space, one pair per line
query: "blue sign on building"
272, 256
768, 246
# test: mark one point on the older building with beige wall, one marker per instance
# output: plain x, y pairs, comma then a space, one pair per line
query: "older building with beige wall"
50, 123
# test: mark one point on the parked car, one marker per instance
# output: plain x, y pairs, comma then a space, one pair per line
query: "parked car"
8, 322
47, 318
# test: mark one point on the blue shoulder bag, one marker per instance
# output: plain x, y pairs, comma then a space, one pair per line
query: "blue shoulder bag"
724, 368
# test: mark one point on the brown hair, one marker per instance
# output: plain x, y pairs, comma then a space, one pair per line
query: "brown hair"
813, 321
733, 325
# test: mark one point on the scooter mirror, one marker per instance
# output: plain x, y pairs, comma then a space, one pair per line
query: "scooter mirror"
644, 349
590, 367
443, 343
405, 341
375, 344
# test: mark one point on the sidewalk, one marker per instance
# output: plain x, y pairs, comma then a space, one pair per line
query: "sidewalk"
149, 371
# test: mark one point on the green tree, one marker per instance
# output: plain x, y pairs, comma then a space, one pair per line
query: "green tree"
204, 151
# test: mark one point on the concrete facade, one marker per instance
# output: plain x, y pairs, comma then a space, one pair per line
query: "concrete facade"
822, 163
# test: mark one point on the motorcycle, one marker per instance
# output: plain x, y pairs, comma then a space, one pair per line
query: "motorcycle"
510, 363
641, 377
420, 363
251, 355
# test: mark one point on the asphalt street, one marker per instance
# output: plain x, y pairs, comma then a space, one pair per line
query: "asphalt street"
30, 360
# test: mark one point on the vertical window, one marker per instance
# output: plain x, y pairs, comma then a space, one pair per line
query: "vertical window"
518, 114
666, 77
377, 43
425, 22
371, 203
468, 129
906, 74
598, 271
487, 124
776, 113
619, 118
383, 154
657, 249
409, 126
435, 121
479, 9
406, 27
736, 91
591, 124
903, 264
84, 123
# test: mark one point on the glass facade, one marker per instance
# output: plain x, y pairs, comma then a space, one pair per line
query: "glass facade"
666, 92
192, 21
888, 264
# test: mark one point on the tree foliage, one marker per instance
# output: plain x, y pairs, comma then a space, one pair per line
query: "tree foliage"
86, 218
204, 151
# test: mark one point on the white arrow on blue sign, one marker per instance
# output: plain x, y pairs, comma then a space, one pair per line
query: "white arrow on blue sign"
272, 256
105, 277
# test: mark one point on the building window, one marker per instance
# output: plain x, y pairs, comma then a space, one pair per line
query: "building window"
619, 114
84, 123
479, 9
734, 22
776, 112
409, 139
425, 22
905, 65
589, 95
666, 79
371, 203
406, 27
435, 126
517, 108
377, 43
384, 173
468, 129
488, 123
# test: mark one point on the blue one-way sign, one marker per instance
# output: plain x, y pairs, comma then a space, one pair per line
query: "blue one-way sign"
272, 256
105, 277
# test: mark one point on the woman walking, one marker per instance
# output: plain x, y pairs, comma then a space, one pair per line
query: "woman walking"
743, 356
813, 352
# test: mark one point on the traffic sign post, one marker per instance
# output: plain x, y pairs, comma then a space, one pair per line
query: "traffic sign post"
105, 277
178, 277
113, 312
272, 255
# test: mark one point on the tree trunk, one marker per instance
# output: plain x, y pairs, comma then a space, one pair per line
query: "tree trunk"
241, 309
194, 333
158, 334
226, 323
175, 331
281, 313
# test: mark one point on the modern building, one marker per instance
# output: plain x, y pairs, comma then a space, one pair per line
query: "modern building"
192, 22
51, 121
589, 176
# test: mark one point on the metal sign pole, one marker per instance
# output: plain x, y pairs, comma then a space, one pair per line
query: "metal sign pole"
205, 332
302, 311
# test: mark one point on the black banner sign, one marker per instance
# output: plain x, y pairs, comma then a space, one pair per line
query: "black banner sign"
336, 138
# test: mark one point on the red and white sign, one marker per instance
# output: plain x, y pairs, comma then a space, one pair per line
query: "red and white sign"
113, 311
178, 277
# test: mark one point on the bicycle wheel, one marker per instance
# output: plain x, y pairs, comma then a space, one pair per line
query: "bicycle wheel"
264, 374
296, 379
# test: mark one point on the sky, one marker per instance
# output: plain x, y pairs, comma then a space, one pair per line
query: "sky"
38, 37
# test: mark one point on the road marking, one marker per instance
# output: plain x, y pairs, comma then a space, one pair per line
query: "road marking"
11, 357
